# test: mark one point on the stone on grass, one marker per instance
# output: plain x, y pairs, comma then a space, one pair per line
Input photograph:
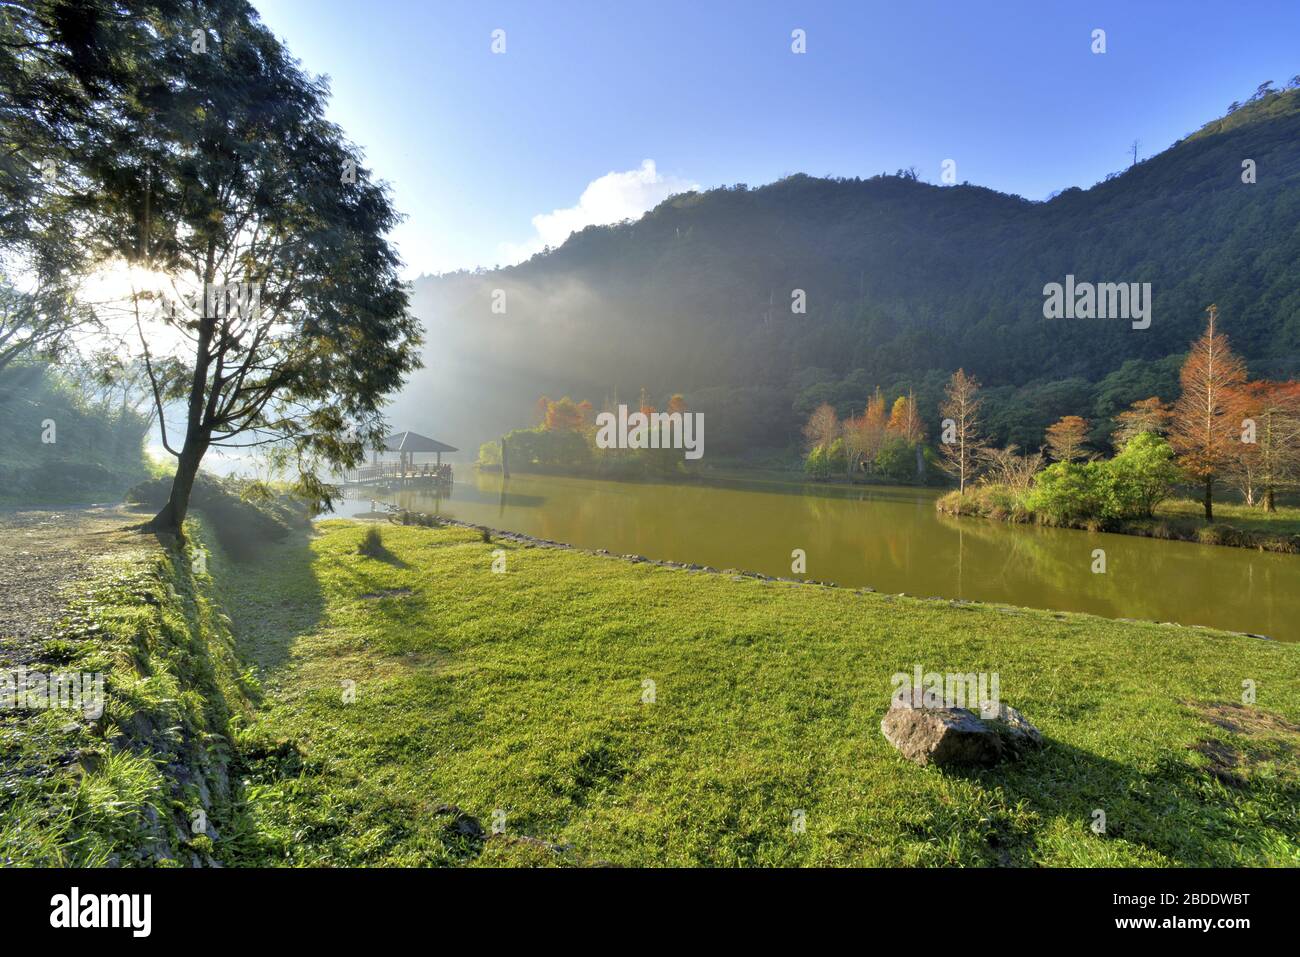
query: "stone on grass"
1017, 734
945, 736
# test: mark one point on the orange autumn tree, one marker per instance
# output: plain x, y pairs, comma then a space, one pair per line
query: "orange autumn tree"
540, 408
1144, 415
905, 424
905, 420
567, 414
1268, 453
1066, 437
874, 422
1203, 432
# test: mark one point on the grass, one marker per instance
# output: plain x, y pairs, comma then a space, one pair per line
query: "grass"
414, 698
120, 788
1284, 521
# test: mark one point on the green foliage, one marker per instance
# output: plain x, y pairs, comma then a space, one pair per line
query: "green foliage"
1020, 416
1131, 485
828, 461
836, 458
244, 181
98, 447
547, 447
37, 324
896, 459
1140, 477
1067, 492
745, 417
1136, 379
815, 465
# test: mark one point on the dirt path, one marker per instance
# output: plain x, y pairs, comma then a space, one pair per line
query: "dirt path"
43, 554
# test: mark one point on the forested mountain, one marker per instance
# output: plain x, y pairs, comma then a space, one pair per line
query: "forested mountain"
905, 282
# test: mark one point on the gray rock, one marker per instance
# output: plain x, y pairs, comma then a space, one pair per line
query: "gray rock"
944, 736
1017, 734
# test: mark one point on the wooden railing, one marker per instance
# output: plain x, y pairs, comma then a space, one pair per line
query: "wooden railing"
392, 470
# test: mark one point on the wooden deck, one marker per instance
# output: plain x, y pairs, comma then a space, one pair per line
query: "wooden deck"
391, 472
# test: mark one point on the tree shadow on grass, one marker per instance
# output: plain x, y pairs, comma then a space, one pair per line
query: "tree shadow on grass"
372, 546
272, 596
1184, 809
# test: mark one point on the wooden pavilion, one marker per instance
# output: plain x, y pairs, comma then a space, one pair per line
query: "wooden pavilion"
407, 446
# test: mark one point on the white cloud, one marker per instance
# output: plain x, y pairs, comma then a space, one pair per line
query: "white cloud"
609, 199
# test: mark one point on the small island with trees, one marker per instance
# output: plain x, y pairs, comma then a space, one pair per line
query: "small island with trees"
1220, 430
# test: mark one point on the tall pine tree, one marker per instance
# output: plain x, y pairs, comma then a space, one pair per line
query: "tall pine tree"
1204, 433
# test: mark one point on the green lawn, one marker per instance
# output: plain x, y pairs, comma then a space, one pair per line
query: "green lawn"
521, 693
1285, 521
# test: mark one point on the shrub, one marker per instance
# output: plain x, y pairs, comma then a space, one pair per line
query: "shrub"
999, 501
896, 459
1128, 486
1067, 492
1222, 535
950, 503
1007, 467
989, 500
546, 447
1140, 477
826, 460
815, 465
836, 460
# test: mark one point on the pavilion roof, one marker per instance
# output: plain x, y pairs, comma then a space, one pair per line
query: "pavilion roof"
415, 442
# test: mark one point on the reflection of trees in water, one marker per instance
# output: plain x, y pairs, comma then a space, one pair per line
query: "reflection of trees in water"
862, 539
1062, 570
1233, 589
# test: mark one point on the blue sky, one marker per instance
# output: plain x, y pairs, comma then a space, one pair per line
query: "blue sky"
478, 145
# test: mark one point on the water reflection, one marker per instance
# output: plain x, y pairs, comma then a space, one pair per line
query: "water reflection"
889, 538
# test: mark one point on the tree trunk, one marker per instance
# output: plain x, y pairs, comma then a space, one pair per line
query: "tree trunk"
1269, 504
172, 516
198, 430
1209, 498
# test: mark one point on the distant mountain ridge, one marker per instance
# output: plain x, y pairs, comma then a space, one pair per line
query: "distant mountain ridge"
904, 281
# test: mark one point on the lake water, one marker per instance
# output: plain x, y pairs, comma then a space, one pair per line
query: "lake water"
890, 538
